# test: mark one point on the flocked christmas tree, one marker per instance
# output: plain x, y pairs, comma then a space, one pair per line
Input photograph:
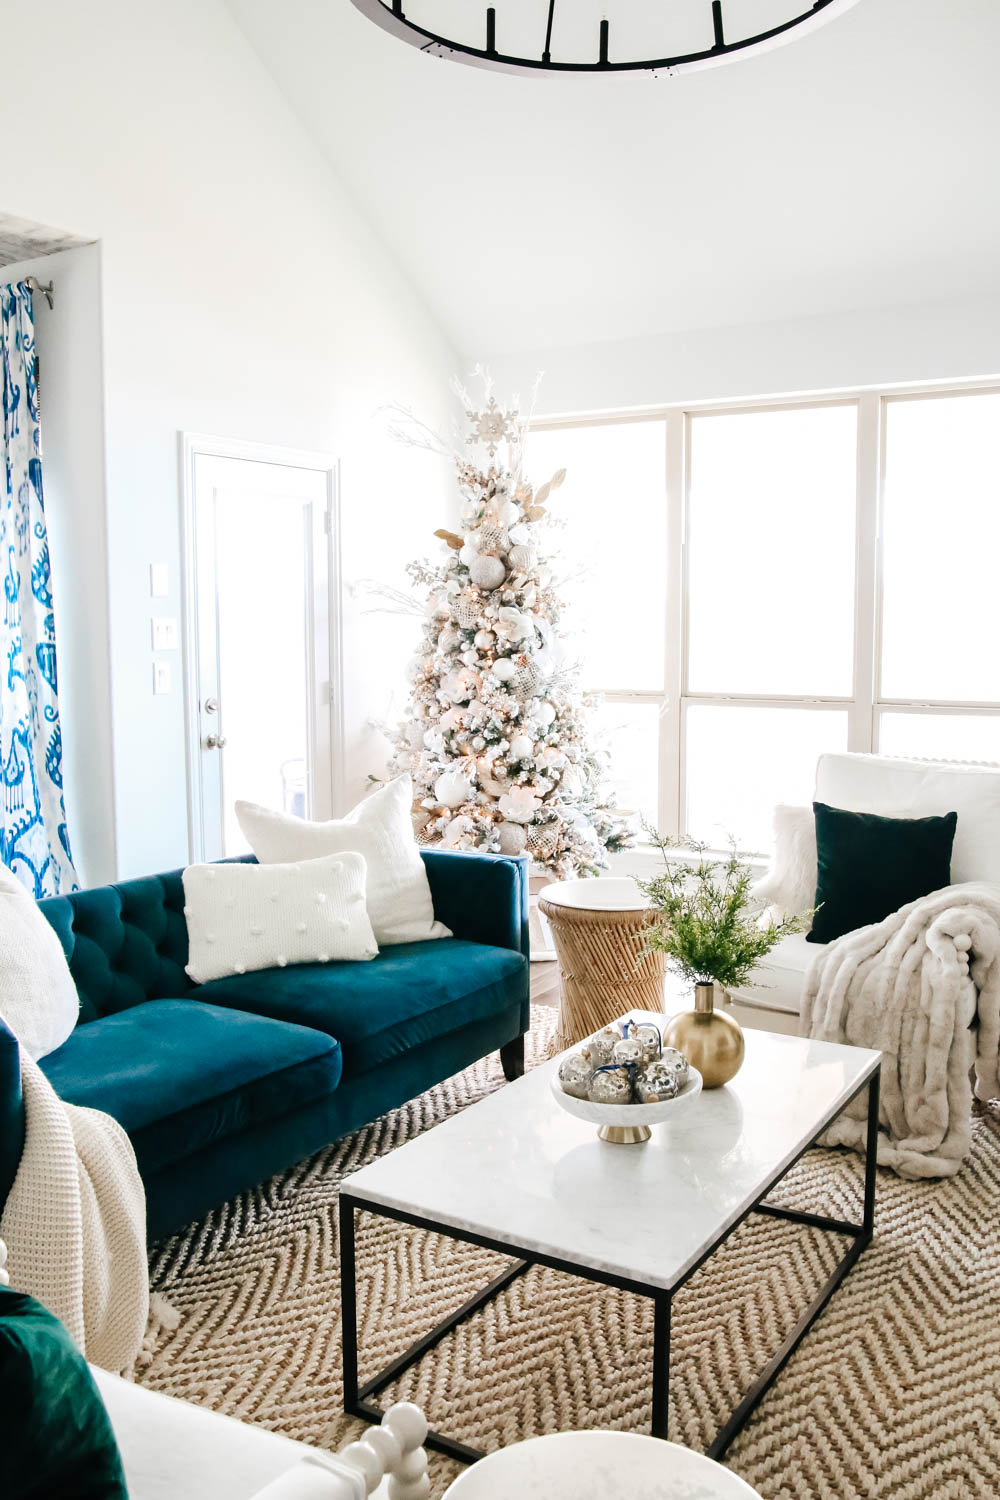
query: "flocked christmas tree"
495, 737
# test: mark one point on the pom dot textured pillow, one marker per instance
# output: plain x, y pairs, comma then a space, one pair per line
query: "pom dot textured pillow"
246, 917
398, 894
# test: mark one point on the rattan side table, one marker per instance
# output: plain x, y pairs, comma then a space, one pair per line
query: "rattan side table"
598, 928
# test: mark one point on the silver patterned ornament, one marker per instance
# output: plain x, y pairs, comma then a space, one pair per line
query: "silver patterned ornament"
543, 840
610, 1086
492, 537
526, 680
677, 1062
600, 1047
575, 1073
655, 1083
649, 1036
466, 609
628, 1050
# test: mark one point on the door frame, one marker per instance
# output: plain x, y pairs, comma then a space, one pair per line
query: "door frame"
193, 445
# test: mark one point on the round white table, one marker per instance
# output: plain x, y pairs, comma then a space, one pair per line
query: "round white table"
598, 1466
599, 928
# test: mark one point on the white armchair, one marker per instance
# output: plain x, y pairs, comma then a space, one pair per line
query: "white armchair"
171, 1449
895, 788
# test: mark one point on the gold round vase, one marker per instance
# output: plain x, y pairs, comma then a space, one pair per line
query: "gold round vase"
711, 1041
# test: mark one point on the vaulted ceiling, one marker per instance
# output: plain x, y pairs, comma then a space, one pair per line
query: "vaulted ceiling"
854, 168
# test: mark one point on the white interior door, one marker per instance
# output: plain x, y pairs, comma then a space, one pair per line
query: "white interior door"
260, 702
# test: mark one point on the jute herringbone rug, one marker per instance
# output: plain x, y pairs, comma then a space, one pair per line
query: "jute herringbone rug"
895, 1392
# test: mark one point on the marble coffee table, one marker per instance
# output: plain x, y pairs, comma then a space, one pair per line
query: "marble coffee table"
516, 1174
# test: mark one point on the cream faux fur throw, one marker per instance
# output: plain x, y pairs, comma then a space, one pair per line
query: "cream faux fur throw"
923, 987
75, 1224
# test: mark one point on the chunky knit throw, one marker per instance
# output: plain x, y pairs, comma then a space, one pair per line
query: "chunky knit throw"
75, 1224
923, 987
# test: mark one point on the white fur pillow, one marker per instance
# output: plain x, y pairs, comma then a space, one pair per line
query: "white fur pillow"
380, 828
789, 887
246, 917
38, 998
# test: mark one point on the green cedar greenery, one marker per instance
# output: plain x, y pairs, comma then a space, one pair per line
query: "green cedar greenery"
709, 925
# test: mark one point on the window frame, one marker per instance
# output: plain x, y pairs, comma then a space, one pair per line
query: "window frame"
866, 705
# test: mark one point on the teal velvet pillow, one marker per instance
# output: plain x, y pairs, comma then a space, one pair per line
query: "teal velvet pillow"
56, 1441
869, 866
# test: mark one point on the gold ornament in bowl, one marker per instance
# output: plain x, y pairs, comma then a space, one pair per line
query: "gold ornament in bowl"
711, 1041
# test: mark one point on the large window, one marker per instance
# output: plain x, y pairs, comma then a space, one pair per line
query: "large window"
747, 588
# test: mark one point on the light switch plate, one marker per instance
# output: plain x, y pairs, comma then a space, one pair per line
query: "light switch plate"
159, 580
162, 677
164, 633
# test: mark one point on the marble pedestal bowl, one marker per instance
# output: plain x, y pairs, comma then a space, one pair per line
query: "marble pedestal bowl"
628, 1124
598, 1466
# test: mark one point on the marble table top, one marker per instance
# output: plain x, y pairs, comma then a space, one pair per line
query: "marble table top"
517, 1169
602, 893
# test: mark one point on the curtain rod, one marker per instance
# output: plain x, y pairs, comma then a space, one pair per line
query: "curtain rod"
45, 287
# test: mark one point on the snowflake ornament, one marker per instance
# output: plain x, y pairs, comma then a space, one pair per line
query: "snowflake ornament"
493, 426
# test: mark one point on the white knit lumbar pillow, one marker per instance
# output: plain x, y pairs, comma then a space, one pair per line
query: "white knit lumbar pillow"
789, 887
380, 828
38, 998
246, 917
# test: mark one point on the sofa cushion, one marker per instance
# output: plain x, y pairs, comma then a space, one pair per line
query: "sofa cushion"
57, 1442
869, 866
919, 789
178, 1074
411, 993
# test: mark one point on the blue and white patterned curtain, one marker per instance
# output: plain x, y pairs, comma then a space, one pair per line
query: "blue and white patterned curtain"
34, 842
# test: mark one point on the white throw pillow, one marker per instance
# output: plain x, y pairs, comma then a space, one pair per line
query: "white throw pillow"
246, 917
380, 828
789, 887
38, 998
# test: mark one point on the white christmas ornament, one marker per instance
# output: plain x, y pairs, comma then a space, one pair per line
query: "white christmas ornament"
521, 747
519, 805
487, 572
452, 789
468, 554
485, 639
513, 624
504, 669
522, 558
512, 838
545, 714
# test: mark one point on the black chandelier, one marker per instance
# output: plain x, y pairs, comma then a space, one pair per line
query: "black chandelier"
538, 36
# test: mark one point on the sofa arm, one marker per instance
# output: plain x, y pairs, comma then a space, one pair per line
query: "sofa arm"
481, 897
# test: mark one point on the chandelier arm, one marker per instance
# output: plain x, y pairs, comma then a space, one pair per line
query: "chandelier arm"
547, 53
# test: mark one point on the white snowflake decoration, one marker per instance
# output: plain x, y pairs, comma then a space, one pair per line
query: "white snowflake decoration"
493, 426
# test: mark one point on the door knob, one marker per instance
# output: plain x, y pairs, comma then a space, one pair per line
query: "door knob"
211, 705
215, 742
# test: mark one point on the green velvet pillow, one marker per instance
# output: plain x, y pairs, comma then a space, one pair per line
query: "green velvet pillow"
869, 866
57, 1442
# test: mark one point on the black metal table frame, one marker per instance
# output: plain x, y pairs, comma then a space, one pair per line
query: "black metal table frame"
357, 1398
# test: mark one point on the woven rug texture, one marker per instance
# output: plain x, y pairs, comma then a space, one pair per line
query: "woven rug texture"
894, 1392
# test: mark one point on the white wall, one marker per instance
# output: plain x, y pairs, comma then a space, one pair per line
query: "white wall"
948, 340
243, 296
71, 411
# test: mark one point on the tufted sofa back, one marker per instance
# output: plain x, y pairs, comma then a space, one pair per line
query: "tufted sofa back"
124, 943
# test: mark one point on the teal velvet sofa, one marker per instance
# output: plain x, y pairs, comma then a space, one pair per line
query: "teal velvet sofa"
221, 1085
